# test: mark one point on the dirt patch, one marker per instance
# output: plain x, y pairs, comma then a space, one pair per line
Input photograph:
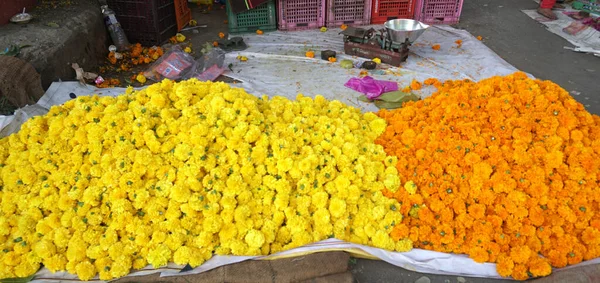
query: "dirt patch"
73, 32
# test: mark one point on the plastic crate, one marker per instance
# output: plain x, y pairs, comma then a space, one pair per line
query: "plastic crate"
149, 22
260, 18
385, 10
300, 14
183, 14
445, 12
348, 12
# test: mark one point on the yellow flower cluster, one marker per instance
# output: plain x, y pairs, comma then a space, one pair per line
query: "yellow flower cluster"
180, 171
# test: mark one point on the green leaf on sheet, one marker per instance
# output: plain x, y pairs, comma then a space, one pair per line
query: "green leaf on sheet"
398, 96
364, 99
394, 100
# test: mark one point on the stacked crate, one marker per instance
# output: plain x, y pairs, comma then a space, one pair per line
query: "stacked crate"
445, 12
149, 22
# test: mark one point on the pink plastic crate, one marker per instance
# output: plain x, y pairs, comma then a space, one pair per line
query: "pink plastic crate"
445, 12
349, 12
300, 14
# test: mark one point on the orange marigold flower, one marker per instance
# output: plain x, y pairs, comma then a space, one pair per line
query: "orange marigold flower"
344, 26
520, 272
221, 35
479, 37
539, 267
431, 81
435, 47
310, 54
332, 59
477, 210
259, 32
478, 254
504, 266
415, 85
520, 254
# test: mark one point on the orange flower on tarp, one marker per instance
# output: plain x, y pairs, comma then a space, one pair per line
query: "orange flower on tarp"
310, 54
259, 32
215, 44
479, 254
221, 35
415, 85
479, 37
436, 47
332, 59
344, 26
432, 81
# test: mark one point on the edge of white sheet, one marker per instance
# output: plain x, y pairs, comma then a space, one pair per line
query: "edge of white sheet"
586, 41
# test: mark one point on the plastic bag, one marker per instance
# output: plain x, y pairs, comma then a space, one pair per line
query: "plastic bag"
173, 65
371, 87
574, 28
210, 66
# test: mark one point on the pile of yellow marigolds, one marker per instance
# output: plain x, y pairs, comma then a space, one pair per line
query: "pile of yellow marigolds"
505, 170
181, 171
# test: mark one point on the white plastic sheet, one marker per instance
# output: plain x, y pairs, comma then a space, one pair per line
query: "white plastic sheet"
277, 66
587, 41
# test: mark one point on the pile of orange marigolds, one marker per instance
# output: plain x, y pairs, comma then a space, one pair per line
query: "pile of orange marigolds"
504, 170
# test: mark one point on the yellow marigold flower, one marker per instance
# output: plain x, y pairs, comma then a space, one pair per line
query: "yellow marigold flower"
410, 187
337, 207
159, 256
254, 239
85, 270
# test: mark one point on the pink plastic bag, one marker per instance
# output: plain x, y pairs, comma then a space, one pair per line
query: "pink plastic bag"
371, 87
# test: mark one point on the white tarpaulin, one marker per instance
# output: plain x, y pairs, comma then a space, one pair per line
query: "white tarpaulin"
587, 41
276, 66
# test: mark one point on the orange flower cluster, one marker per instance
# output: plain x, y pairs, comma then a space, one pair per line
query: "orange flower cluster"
136, 56
505, 170
109, 83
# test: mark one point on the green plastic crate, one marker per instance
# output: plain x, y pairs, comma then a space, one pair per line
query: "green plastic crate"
260, 18
591, 6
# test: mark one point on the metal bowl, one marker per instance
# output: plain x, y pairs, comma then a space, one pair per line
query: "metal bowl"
21, 18
401, 30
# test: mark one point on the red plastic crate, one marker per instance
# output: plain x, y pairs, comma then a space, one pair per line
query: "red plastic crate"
444, 12
385, 10
300, 14
182, 13
348, 12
